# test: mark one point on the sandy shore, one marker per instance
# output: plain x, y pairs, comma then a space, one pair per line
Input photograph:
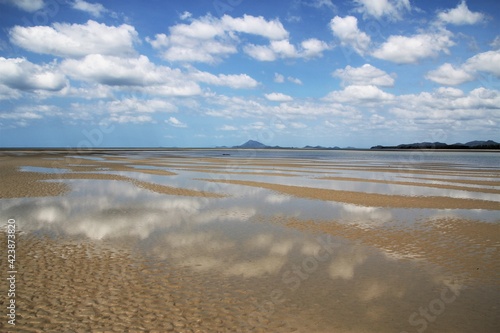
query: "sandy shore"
162, 259
467, 249
38, 184
70, 285
370, 199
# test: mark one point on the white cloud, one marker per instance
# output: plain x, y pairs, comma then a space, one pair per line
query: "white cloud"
461, 15
284, 49
255, 25
393, 9
209, 40
141, 72
319, 4
364, 75
294, 80
446, 74
228, 128
131, 72
485, 62
239, 81
409, 50
172, 121
278, 78
450, 107
495, 44
260, 52
116, 71
94, 9
134, 106
20, 74
121, 119
186, 15
313, 48
346, 29
76, 40
26, 5
356, 94
278, 97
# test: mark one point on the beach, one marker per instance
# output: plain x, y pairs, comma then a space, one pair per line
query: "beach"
250, 241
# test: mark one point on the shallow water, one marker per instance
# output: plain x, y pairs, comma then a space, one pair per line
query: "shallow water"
257, 258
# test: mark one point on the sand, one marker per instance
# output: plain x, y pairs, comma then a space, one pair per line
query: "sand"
70, 285
370, 199
448, 187
18, 183
180, 277
465, 248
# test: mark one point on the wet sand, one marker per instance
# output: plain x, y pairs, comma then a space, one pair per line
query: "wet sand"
370, 199
190, 248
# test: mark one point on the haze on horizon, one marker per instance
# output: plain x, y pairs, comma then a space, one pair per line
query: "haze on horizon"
217, 73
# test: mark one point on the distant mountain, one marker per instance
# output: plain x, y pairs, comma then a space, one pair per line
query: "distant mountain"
439, 145
252, 144
321, 147
479, 144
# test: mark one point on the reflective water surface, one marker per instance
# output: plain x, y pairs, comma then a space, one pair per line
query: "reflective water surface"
257, 259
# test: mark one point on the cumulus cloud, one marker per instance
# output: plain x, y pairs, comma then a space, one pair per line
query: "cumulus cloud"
76, 40
94, 9
485, 62
446, 74
172, 121
255, 25
260, 52
364, 75
495, 44
235, 81
134, 106
26, 5
209, 40
20, 74
356, 94
131, 72
346, 29
278, 97
116, 71
141, 72
410, 50
461, 15
393, 9
279, 78
452, 108
313, 48
283, 49
320, 4
294, 80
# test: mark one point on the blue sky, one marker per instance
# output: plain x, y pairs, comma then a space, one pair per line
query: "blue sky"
77, 73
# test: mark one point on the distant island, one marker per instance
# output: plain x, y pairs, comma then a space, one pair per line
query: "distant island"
253, 144
489, 144
439, 145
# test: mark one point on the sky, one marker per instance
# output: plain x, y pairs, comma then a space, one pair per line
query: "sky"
156, 73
